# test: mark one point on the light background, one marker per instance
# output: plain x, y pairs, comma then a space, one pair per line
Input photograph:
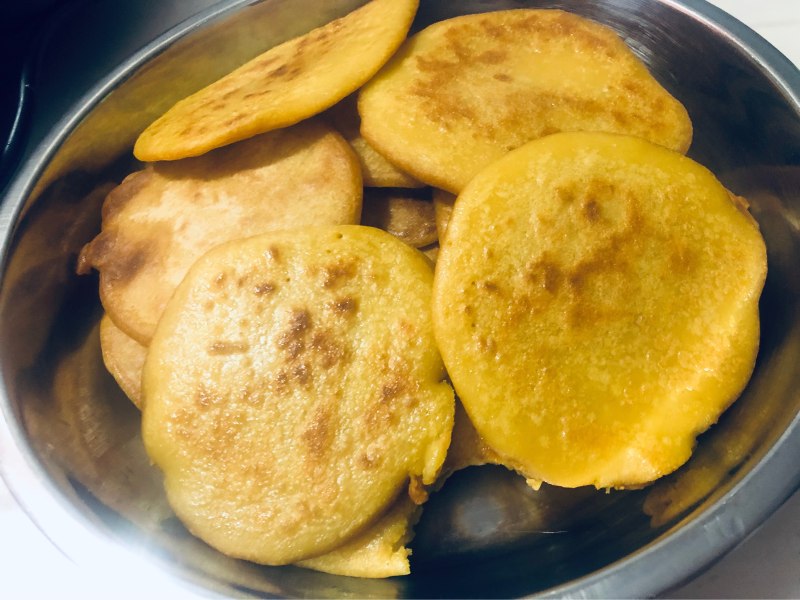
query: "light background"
766, 565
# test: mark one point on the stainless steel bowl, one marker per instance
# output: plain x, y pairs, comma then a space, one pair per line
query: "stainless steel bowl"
71, 451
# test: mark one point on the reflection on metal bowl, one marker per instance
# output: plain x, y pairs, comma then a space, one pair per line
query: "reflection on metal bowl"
90, 487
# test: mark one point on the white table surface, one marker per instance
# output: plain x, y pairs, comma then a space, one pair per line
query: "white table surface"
766, 565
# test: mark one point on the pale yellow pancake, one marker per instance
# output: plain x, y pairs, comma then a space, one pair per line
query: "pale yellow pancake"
161, 219
596, 305
293, 390
406, 214
375, 169
379, 552
286, 84
124, 358
462, 92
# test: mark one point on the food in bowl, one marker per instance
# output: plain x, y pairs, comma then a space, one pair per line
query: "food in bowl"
283, 86
596, 305
293, 390
376, 532
464, 91
162, 218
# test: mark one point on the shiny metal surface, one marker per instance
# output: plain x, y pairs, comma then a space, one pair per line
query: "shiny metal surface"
70, 445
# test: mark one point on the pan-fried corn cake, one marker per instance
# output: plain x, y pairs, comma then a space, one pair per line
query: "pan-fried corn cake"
596, 306
462, 92
286, 84
380, 551
293, 390
375, 169
124, 358
161, 219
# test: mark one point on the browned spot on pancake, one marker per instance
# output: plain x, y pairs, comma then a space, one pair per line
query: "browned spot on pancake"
233, 120
220, 278
183, 420
591, 210
318, 434
634, 87
299, 323
393, 388
681, 259
279, 71
446, 71
368, 461
280, 383
378, 415
273, 254
292, 347
266, 61
492, 57
408, 329
336, 274
205, 398
301, 373
291, 340
558, 26
609, 258
227, 348
544, 273
250, 397
328, 349
344, 306
489, 286
566, 195
487, 344
264, 288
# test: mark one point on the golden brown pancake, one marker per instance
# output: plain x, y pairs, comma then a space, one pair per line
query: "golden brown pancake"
462, 92
161, 219
124, 358
286, 84
380, 551
596, 305
375, 169
406, 214
293, 390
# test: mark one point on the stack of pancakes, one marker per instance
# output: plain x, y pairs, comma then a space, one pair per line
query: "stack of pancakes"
285, 308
